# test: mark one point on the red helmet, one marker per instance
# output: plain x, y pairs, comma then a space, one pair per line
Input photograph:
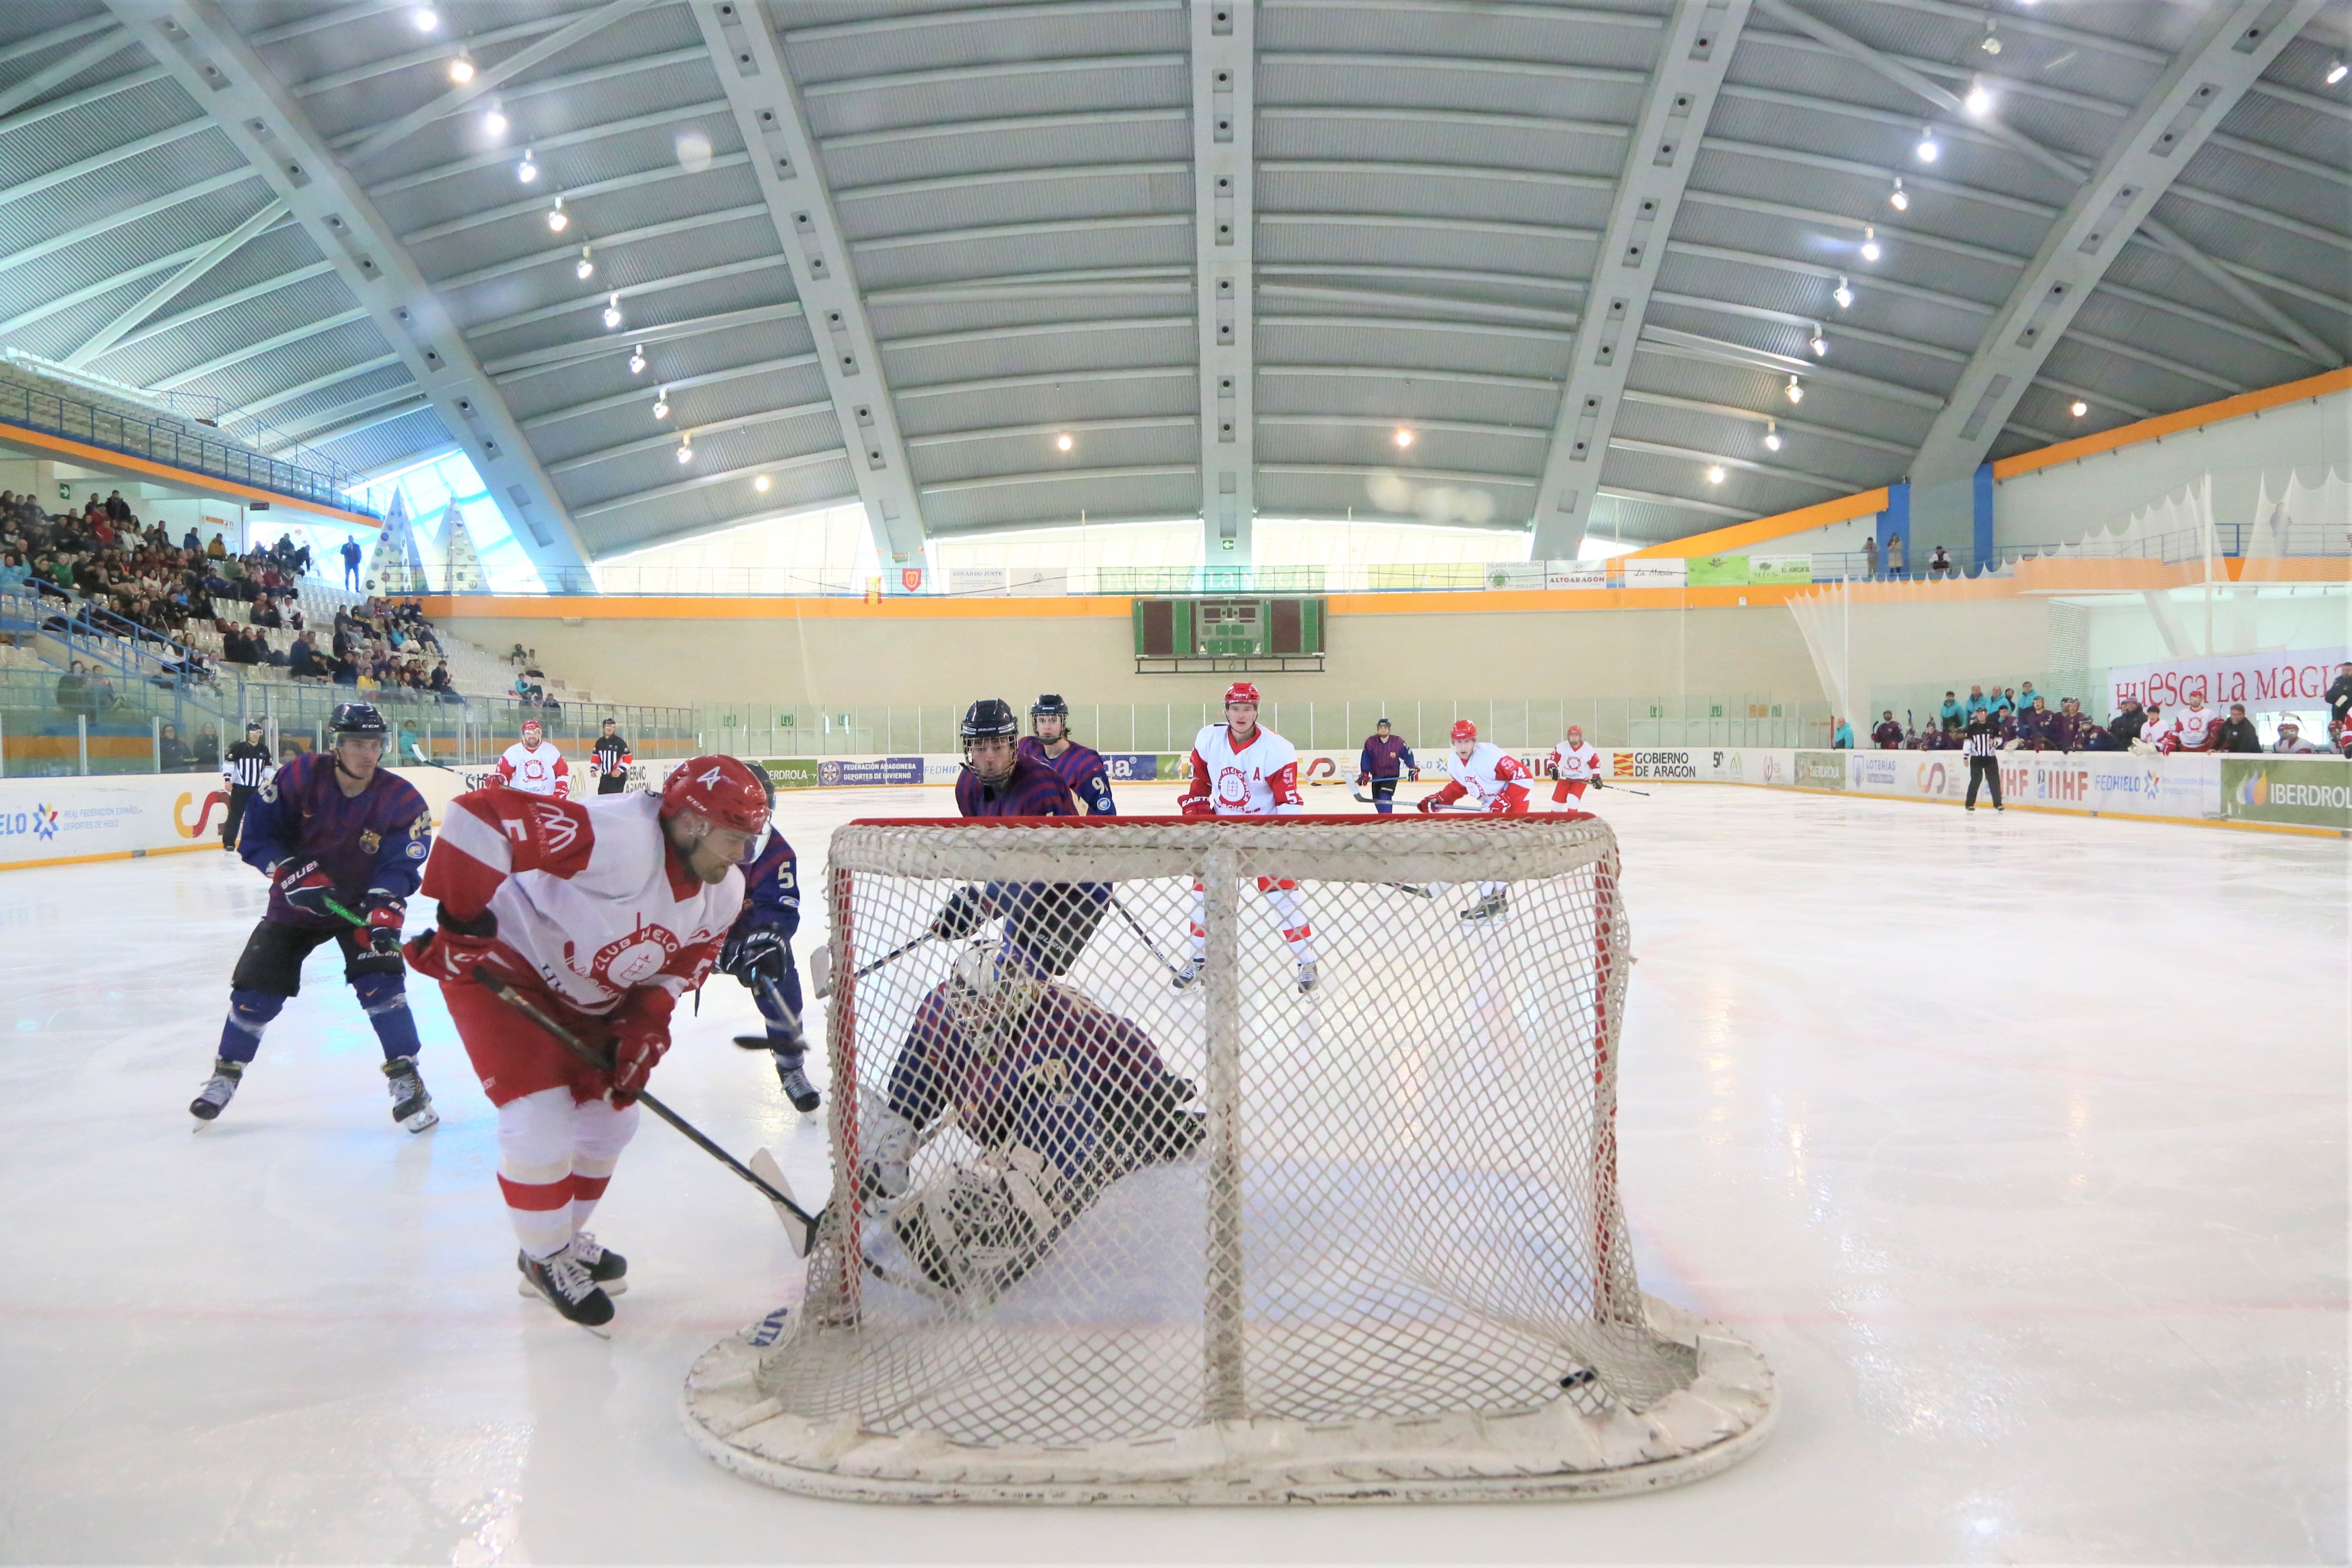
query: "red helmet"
1464, 730
1241, 692
721, 788
532, 727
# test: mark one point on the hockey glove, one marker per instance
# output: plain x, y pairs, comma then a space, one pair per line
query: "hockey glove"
1196, 805
1427, 803
959, 916
640, 1039
386, 914
307, 888
762, 953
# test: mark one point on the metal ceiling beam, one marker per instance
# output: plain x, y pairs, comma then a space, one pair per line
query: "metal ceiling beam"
124, 218
537, 205
113, 41
1749, 415
504, 157
115, 331
445, 49
1673, 344
52, 107
725, 476
2154, 231
477, 331
220, 71
668, 436
2230, 52
489, 79
537, 362
261, 405
1692, 59
1225, 241
637, 395
255, 350
193, 313
1845, 330
768, 115
122, 153
1619, 492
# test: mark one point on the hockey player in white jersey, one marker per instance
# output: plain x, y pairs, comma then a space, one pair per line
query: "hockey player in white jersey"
1576, 765
1240, 769
533, 765
1497, 781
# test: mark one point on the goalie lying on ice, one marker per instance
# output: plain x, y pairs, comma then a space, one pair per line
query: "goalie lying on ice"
1061, 1096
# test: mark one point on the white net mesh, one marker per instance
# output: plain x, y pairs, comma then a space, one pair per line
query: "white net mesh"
1159, 1144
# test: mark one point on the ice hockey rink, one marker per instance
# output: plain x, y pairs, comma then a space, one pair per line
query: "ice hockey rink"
2017, 1144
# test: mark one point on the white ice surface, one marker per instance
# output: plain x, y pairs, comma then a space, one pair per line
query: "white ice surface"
2017, 1144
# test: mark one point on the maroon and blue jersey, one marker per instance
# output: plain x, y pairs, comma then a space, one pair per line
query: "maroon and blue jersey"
373, 842
1033, 790
1386, 757
1080, 767
772, 888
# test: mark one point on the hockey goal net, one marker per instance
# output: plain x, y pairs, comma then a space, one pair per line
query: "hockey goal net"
1226, 1162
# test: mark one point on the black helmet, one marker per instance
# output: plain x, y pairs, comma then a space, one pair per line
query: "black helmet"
253, 724
989, 717
356, 718
1051, 704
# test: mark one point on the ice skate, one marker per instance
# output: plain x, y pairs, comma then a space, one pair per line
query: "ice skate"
411, 1106
606, 1268
1305, 975
567, 1288
793, 1076
1487, 908
217, 1089
1188, 975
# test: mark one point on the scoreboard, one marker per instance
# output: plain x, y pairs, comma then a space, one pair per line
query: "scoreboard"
1190, 635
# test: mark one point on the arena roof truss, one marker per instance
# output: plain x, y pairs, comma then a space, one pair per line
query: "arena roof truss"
990, 266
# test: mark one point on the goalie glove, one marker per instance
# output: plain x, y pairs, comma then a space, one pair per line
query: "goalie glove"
959, 916
891, 1145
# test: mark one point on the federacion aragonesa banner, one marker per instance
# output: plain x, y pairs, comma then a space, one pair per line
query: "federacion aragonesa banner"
2264, 682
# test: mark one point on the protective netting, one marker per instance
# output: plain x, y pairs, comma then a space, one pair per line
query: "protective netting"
1150, 1129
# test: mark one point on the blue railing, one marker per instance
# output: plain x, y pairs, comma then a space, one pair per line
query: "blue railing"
162, 439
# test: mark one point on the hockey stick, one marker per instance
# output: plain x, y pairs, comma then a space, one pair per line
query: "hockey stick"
801, 1238
1143, 935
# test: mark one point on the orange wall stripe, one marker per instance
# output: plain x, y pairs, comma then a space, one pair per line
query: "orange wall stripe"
102, 458
1729, 541
2132, 435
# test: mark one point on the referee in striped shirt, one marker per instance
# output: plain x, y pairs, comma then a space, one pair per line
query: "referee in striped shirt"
1983, 741
245, 768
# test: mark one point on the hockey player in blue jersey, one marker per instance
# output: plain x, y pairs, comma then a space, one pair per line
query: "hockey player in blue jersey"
1060, 1096
759, 948
343, 845
1080, 767
1047, 923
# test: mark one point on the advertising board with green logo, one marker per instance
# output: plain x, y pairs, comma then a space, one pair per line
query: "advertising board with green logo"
2299, 792
1719, 571
1173, 768
1764, 569
1821, 770
791, 773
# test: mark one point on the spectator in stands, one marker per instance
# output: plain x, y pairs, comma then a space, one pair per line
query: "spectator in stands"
216, 550
1950, 715
2126, 724
117, 508
14, 573
1841, 734
302, 660
1870, 558
73, 690
351, 564
2237, 732
194, 543
1938, 564
172, 753
205, 755
347, 670
2291, 742
441, 686
516, 655
98, 694
1887, 734
1894, 557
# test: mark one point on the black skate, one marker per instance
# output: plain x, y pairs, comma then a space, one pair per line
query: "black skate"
411, 1106
1305, 975
216, 1091
1188, 975
567, 1288
605, 1267
795, 1077
1487, 908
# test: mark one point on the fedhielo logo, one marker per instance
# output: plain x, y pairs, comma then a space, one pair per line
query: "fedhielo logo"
45, 821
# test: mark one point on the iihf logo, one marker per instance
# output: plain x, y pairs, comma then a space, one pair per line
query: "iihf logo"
45, 821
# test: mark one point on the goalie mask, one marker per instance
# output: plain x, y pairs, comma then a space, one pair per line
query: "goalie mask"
990, 989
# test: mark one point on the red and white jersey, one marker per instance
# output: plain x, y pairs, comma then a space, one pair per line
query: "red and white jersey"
2159, 729
1260, 779
1574, 762
2194, 726
536, 770
589, 898
1492, 777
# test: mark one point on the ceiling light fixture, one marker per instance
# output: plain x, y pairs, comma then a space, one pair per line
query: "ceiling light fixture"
1403, 437
1063, 443
685, 447
1844, 295
1795, 392
637, 361
661, 404
1926, 152
612, 311
1979, 99
557, 219
527, 170
1772, 435
495, 122
461, 70
761, 484
1817, 343
2079, 409
1991, 44
1901, 200
2336, 71
426, 19
1714, 475
1870, 251
584, 268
